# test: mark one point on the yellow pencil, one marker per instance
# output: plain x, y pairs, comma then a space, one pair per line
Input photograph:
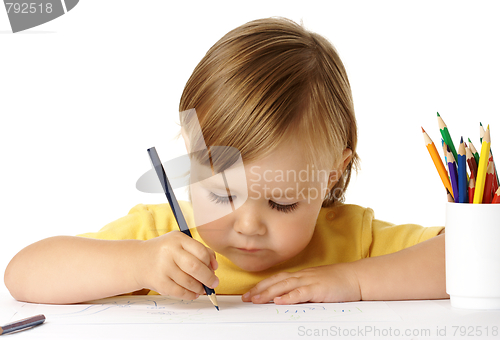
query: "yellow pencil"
438, 163
482, 167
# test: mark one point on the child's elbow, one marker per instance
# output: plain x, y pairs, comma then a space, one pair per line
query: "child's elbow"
13, 282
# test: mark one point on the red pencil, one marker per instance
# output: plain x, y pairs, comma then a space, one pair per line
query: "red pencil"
488, 184
472, 186
496, 198
471, 161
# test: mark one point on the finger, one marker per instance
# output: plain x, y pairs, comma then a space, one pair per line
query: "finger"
298, 295
213, 260
171, 288
186, 281
265, 284
278, 289
194, 268
197, 249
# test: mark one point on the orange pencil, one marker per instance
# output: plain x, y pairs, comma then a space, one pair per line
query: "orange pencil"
472, 187
488, 184
438, 163
496, 198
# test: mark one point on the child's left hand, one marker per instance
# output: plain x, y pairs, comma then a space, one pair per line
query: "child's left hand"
331, 283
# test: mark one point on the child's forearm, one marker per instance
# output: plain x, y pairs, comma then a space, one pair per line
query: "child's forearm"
417, 272
67, 269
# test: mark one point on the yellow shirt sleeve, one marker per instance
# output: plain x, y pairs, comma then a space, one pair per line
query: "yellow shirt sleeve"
388, 238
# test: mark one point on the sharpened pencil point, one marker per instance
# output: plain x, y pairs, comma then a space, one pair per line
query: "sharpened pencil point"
438, 114
461, 139
217, 308
423, 129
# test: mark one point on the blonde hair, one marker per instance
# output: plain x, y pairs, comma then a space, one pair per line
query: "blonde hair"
266, 83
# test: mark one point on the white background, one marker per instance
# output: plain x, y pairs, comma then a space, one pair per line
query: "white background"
83, 97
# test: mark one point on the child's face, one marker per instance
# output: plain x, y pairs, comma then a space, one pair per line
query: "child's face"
277, 220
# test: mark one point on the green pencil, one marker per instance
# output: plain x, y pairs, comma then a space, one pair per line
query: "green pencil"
446, 135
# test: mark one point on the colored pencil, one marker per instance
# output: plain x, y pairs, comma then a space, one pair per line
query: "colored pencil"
496, 197
452, 168
438, 163
488, 184
481, 134
449, 196
22, 324
471, 162
446, 135
482, 167
445, 151
472, 187
176, 209
462, 173
474, 151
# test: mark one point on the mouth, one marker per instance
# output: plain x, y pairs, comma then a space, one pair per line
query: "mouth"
249, 250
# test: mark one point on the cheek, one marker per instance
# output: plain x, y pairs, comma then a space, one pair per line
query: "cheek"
214, 233
296, 234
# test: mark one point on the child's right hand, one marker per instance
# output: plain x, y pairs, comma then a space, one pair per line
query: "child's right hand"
176, 265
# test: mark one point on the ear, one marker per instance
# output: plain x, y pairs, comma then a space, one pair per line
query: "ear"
340, 168
186, 140
346, 156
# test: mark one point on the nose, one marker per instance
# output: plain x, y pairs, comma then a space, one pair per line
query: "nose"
248, 221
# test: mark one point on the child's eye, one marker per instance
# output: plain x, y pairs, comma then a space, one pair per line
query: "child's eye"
280, 207
283, 208
220, 199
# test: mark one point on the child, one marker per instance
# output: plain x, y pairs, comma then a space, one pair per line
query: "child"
279, 95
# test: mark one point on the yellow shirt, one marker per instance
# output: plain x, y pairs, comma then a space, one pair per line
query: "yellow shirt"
343, 233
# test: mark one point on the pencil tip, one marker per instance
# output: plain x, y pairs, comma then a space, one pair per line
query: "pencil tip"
217, 308
481, 124
469, 140
423, 129
438, 114
461, 139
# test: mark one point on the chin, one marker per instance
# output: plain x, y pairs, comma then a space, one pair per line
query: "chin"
255, 266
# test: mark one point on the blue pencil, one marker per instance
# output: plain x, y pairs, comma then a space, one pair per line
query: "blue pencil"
462, 173
452, 169
176, 209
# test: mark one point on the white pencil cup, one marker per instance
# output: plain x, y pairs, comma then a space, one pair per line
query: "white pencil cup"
472, 241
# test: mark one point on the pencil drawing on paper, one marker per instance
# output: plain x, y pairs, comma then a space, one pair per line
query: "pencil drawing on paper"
163, 309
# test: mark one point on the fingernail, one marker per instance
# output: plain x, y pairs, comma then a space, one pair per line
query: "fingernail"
197, 296
256, 297
246, 295
216, 283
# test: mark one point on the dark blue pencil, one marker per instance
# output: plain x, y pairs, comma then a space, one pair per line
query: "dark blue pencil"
462, 173
176, 209
22, 324
452, 168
